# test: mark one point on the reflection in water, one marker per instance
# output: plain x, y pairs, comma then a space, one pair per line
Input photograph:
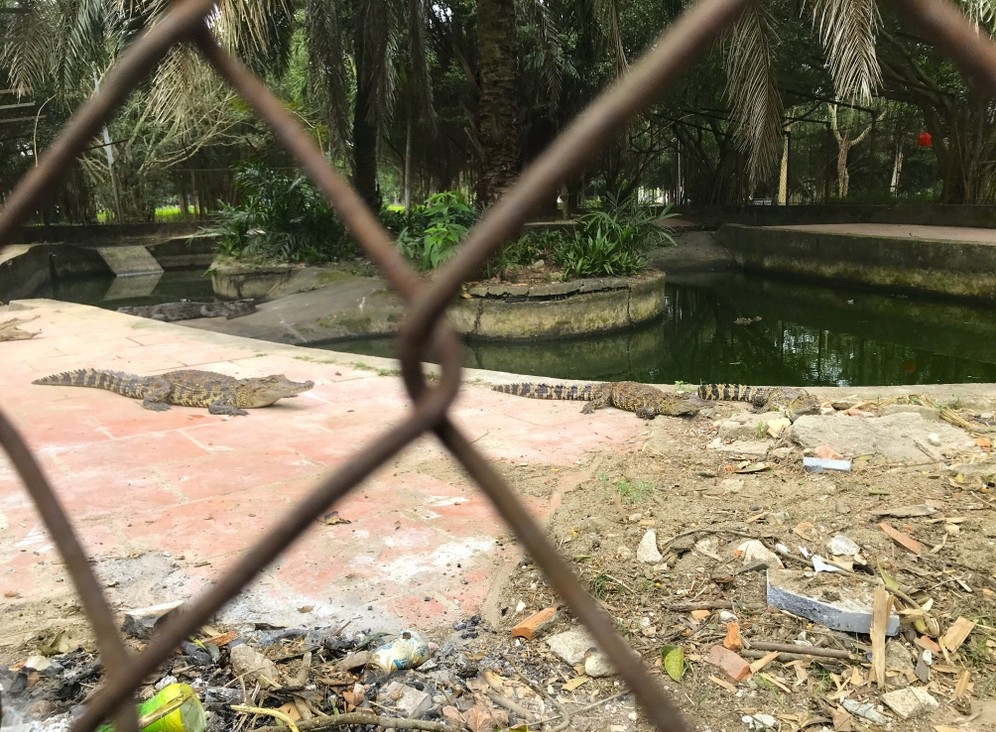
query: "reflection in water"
807, 335
113, 292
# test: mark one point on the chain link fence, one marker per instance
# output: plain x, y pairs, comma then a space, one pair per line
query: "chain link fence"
938, 20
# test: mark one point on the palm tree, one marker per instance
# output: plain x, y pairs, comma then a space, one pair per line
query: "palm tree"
63, 44
849, 32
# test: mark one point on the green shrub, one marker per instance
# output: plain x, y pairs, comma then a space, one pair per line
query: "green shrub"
280, 218
610, 242
433, 231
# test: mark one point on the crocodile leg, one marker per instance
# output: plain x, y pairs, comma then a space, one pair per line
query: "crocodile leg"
601, 397
156, 398
221, 406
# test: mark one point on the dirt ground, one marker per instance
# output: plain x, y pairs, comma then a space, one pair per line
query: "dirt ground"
704, 499
702, 508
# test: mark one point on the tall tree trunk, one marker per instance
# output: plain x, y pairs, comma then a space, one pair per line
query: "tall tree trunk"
897, 169
498, 108
407, 187
365, 125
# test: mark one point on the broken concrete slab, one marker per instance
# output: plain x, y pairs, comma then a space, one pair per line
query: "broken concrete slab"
899, 437
837, 602
909, 701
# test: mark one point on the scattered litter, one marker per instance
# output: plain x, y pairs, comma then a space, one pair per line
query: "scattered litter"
759, 721
865, 711
408, 650
818, 465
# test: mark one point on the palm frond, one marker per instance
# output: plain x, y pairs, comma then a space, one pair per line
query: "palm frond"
29, 53
419, 81
329, 80
381, 25
982, 12
258, 31
756, 106
847, 30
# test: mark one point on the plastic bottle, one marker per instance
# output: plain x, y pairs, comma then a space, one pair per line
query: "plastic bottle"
175, 708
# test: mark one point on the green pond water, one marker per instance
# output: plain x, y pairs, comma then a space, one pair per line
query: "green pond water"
798, 334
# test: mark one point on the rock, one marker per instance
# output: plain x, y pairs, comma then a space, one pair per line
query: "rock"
730, 430
37, 663
406, 700
571, 646
912, 700
647, 552
864, 710
597, 665
825, 599
754, 552
759, 721
141, 622
732, 485
753, 448
984, 470
894, 437
247, 661
897, 656
928, 413
777, 425
842, 546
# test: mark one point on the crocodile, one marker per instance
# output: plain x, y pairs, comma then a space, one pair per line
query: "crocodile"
644, 400
221, 394
794, 402
187, 309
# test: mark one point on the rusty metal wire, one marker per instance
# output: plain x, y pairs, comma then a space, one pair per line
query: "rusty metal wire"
184, 22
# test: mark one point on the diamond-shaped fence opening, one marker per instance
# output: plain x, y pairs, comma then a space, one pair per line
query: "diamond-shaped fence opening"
674, 50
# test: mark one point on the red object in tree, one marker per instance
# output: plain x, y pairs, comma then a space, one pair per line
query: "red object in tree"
923, 140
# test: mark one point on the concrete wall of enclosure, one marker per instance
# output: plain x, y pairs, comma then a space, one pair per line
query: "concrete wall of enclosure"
606, 117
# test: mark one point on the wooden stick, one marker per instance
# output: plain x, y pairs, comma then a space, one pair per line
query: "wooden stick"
801, 650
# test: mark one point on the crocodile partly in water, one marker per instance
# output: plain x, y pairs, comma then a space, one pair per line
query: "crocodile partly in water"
221, 394
187, 309
644, 400
794, 402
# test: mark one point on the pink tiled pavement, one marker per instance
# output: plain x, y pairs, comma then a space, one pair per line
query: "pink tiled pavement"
421, 544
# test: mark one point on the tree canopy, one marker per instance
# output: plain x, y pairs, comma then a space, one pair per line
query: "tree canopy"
802, 101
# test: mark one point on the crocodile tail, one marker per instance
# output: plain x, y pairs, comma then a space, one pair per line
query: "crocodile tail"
728, 392
546, 391
116, 381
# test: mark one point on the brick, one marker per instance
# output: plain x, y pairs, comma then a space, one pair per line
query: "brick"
529, 627
735, 667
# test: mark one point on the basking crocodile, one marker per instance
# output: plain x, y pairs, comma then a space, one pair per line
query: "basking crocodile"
187, 309
794, 402
221, 394
646, 401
